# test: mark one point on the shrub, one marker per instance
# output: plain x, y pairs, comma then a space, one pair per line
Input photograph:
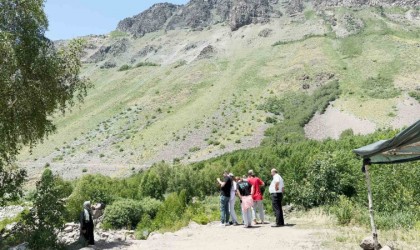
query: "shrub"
415, 95
144, 64
269, 119
194, 149
343, 210
150, 206
125, 213
180, 64
94, 188
145, 227
171, 210
124, 67
346, 133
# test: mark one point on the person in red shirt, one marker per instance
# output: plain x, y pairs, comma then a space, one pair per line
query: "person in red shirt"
257, 196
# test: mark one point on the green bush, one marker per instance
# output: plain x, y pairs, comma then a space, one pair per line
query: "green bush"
145, 227
124, 67
171, 211
194, 149
144, 64
343, 210
125, 213
150, 206
94, 188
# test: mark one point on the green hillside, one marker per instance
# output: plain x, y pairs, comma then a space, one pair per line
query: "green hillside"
201, 93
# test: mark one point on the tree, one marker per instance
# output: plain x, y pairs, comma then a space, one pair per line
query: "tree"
47, 213
36, 80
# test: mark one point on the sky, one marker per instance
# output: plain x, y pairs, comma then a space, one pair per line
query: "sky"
73, 18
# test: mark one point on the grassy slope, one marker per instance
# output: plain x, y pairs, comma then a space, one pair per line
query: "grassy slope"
208, 107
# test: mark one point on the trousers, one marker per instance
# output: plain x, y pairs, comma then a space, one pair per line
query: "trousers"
276, 199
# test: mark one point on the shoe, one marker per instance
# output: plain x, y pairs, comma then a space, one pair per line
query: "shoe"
222, 225
275, 225
236, 224
227, 224
230, 223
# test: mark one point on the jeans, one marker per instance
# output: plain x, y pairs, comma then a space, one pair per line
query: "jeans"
258, 205
224, 209
232, 209
276, 199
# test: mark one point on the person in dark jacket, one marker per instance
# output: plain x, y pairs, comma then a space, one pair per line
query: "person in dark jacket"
86, 224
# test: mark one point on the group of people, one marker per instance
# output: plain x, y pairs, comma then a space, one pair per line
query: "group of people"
248, 189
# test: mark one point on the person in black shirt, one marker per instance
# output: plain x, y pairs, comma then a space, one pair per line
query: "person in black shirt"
245, 192
225, 187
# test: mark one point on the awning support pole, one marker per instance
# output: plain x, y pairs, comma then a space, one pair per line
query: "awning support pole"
371, 213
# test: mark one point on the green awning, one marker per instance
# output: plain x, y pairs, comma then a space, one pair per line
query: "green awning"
402, 148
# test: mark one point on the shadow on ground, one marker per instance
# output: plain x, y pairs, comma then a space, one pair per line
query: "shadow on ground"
101, 244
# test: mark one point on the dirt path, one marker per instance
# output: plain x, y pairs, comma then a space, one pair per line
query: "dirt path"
213, 236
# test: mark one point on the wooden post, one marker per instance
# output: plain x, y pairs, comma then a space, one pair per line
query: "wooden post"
372, 222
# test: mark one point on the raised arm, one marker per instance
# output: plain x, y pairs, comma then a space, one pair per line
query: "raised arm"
222, 184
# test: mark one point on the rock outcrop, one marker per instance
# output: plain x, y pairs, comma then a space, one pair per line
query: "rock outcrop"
206, 52
245, 12
359, 3
148, 21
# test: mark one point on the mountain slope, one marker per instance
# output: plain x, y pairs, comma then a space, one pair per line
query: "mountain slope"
189, 92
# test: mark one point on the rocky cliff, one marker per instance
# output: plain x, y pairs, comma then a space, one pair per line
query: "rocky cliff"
198, 14
148, 21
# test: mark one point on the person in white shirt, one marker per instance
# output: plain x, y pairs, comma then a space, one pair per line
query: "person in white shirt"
232, 200
276, 190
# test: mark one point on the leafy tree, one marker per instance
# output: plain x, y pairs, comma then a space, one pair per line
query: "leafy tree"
47, 213
36, 80
94, 188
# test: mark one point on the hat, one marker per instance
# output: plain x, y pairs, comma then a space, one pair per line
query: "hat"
231, 175
274, 170
250, 172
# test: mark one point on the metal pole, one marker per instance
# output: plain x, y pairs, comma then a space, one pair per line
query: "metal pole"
371, 214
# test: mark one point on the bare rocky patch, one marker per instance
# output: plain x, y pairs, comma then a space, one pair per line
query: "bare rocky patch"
408, 112
333, 122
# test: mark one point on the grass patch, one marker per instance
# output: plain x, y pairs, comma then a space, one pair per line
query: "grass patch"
309, 14
117, 34
380, 87
305, 37
351, 46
